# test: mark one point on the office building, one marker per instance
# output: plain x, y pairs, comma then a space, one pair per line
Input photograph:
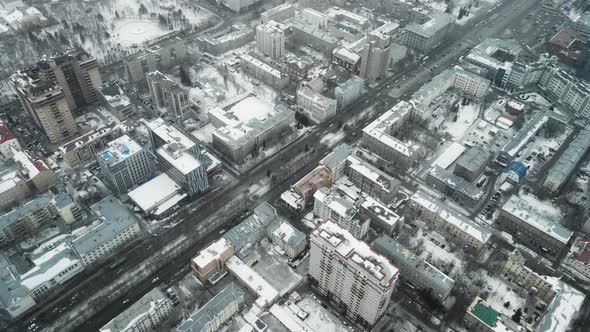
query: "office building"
563, 169
363, 285
379, 136
426, 35
209, 265
456, 188
375, 56
346, 58
26, 219
567, 90
336, 160
492, 59
117, 227
316, 106
472, 163
314, 18
50, 269
279, 13
145, 315
348, 92
334, 206
178, 156
159, 55
124, 164
533, 229
158, 196
224, 41
466, 232
270, 39
314, 37
248, 125
168, 94
211, 316
415, 270
371, 181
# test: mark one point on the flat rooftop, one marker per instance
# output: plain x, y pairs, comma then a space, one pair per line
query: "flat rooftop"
152, 193
119, 149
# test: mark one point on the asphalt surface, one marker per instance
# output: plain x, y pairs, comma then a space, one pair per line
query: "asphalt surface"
188, 222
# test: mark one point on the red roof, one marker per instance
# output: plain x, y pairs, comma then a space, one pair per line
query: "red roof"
5, 133
584, 256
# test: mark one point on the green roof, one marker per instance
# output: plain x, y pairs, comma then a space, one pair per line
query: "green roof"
486, 314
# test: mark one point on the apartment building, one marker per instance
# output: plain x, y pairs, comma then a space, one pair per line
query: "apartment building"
272, 76
336, 160
209, 264
537, 285
349, 273
155, 57
331, 205
530, 227
167, 93
316, 106
286, 237
567, 90
370, 180
117, 228
270, 39
224, 41
26, 219
307, 186
466, 232
565, 166
375, 56
124, 164
178, 156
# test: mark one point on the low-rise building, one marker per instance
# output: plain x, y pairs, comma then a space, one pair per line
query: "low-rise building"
425, 35
246, 234
238, 6
523, 136
33, 169
472, 163
67, 209
13, 188
380, 215
537, 285
336, 160
7, 142
563, 169
15, 299
124, 164
147, 314
316, 106
567, 44
371, 181
320, 177
453, 186
446, 219
52, 268
209, 265
287, 237
267, 294
334, 206
117, 227
414, 270
346, 58
211, 316
482, 317
379, 136
270, 75
116, 101
533, 229
279, 13
224, 41
26, 219
314, 37
157, 196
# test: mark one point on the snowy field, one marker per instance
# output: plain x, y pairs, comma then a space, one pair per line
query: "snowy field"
466, 116
129, 32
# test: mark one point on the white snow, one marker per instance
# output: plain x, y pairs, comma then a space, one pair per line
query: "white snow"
266, 293
128, 32
154, 192
563, 310
466, 116
449, 156
331, 139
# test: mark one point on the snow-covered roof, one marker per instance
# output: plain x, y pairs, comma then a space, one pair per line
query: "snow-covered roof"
265, 67
438, 20
346, 54
566, 164
214, 252
5, 133
354, 250
380, 128
456, 183
385, 215
283, 230
154, 192
522, 210
267, 294
563, 310
92, 136
14, 298
119, 149
449, 156
49, 265
149, 304
39, 202
293, 199
32, 165
451, 216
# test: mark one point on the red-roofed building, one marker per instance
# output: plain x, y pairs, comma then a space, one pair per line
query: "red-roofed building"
34, 170
7, 141
567, 45
320, 177
579, 256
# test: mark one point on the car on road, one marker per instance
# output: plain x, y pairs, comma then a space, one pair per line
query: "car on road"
126, 301
156, 279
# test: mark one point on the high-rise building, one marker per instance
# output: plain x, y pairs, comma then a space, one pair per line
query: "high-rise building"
52, 88
270, 39
179, 156
124, 164
350, 273
168, 94
375, 56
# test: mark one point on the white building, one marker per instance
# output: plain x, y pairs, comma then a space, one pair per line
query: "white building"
425, 35
279, 13
157, 196
178, 156
147, 314
568, 161
314, 18
267, 294
209, 264
267, 74
117, 227
336, 160
124, 163
364, 280
376, 56
316, 106
286, 237
7, 141
450, 221
270, 39
52, 268
331, 205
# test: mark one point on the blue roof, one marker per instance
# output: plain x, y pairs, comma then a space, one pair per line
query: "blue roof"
517, 167
27, 208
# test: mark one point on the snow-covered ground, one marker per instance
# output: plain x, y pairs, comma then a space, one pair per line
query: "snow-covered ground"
501, 292
330, 139
448, 262
466, 116
129, 32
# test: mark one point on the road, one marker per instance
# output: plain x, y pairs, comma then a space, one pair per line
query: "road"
188, 223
